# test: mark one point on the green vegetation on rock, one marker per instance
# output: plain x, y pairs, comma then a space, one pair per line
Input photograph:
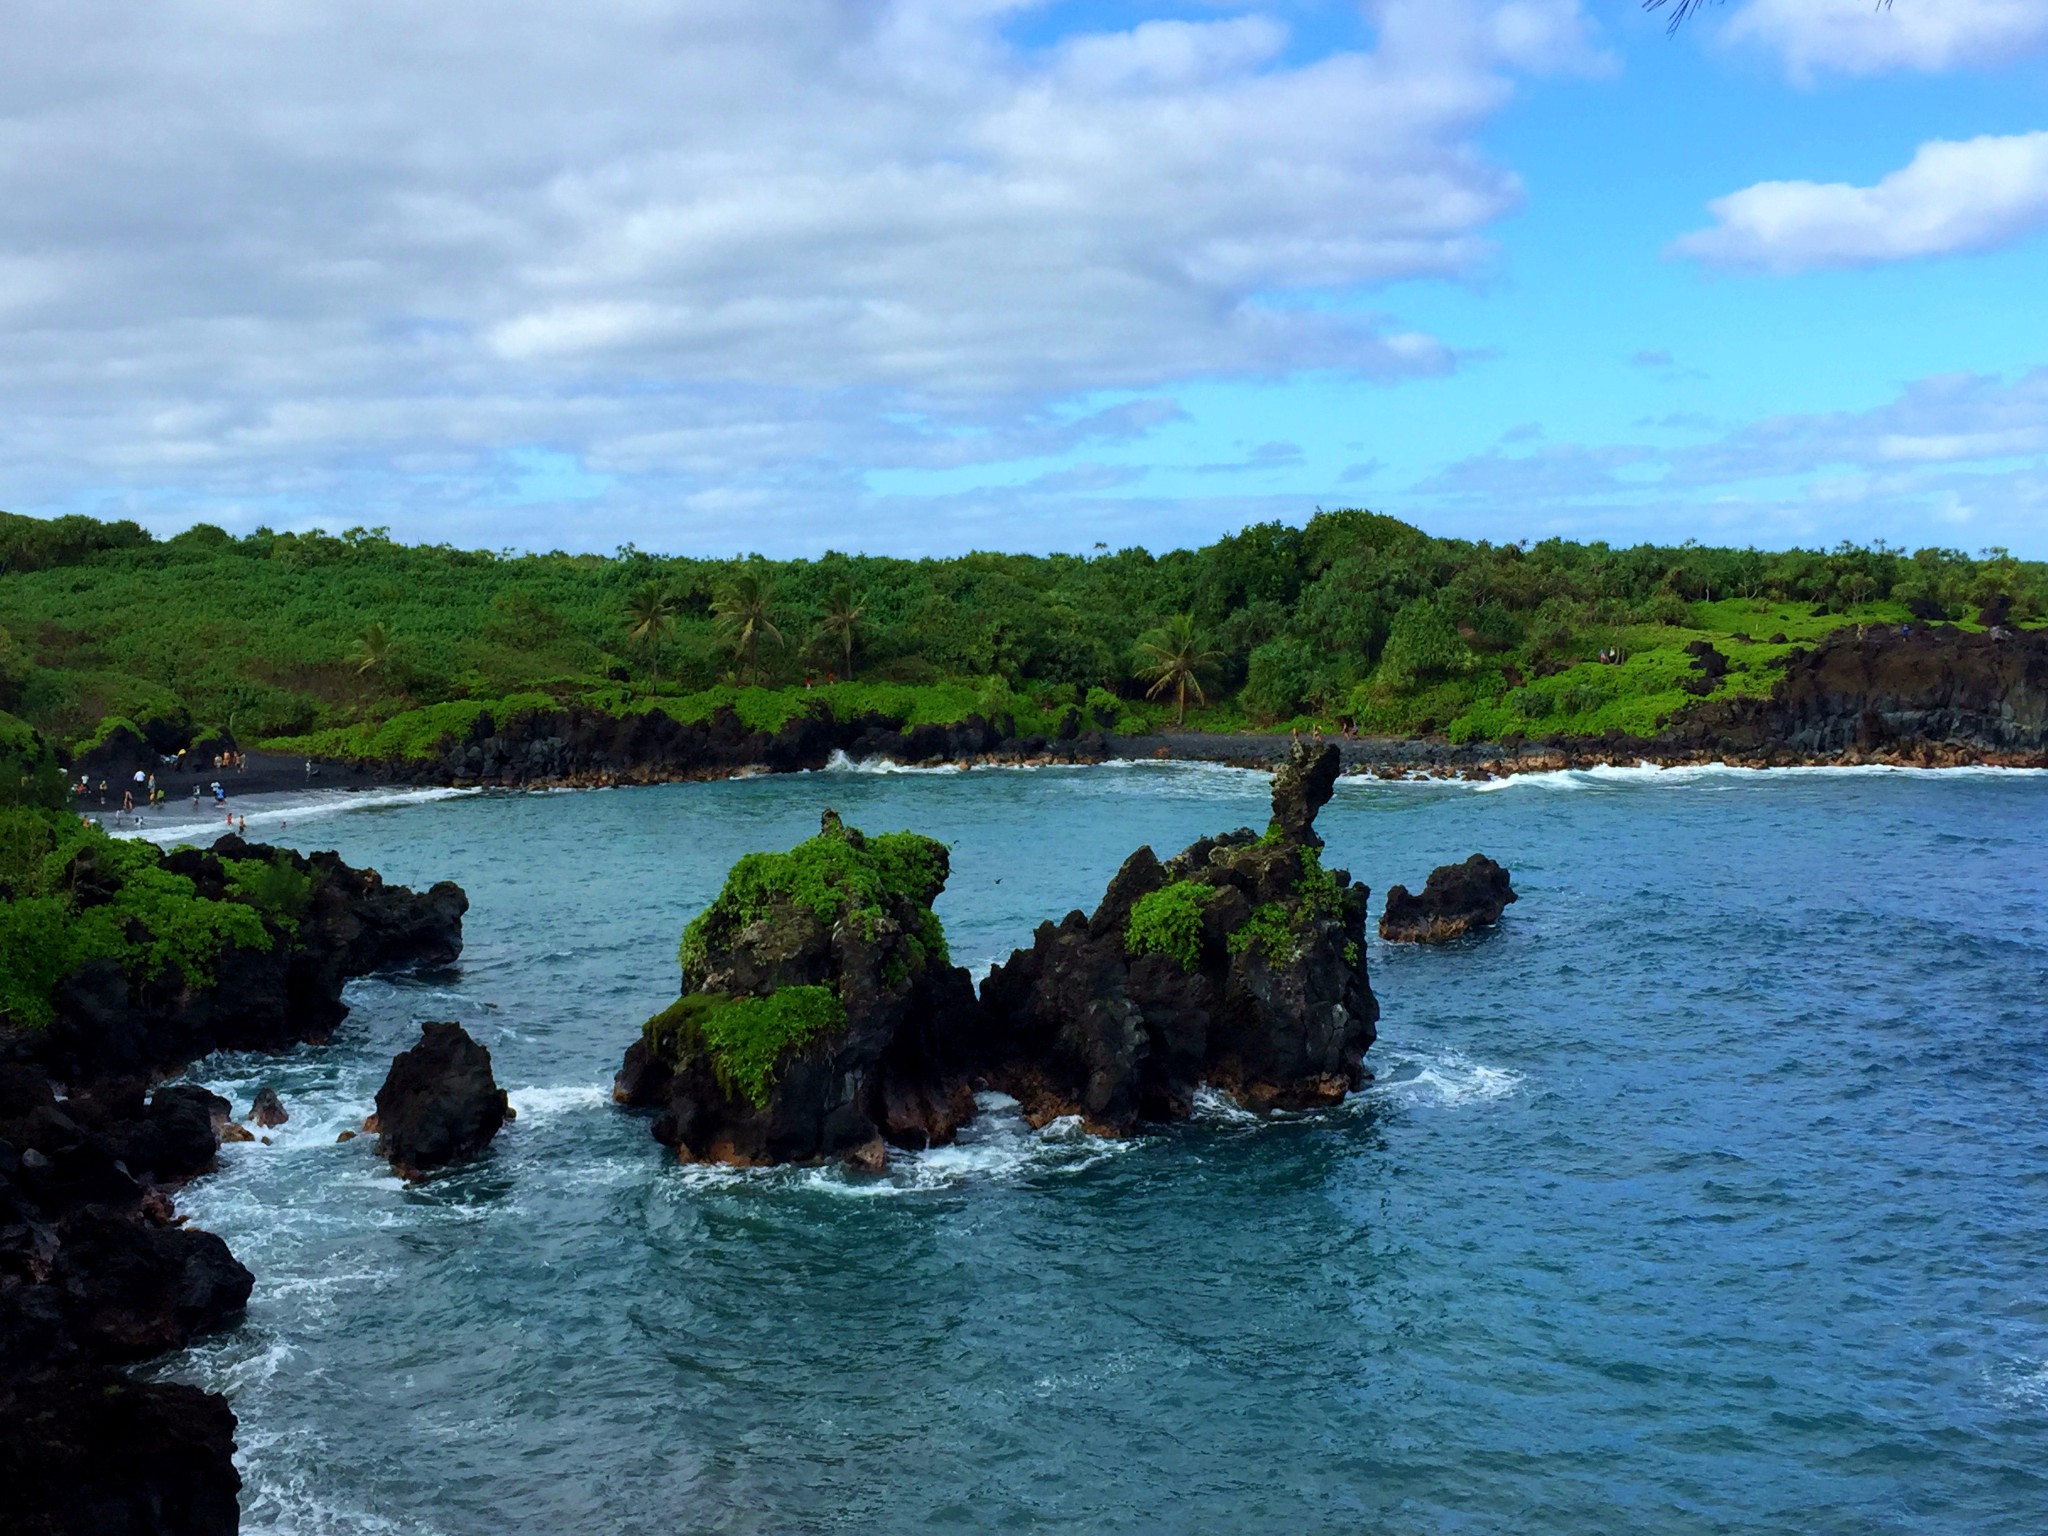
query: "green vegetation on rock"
1269, 929
840, 873
1168, 921
69, 893
358, 646
746, 1040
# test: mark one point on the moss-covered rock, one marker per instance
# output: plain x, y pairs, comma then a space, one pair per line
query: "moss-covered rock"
820, 1011
1239, 963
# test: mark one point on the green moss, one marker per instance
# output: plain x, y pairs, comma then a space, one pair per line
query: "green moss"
1321, 895
746, 1040
1270, 928
69, 893
1169, 922
837, 874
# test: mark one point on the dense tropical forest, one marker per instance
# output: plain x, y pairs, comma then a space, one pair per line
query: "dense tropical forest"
357, 645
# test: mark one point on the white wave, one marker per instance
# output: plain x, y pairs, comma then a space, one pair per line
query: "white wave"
545, 1103
2024, 1382
839, 762
1448, 1080
997, 1145
178, 823
1679, 774
1215, 1107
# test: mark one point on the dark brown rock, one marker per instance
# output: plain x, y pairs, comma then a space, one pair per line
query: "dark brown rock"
1456, 899
90, 1452
439, 1104
1088, 1022
882, 1071
268, 1111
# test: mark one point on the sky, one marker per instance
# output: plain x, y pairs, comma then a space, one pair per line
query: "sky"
923, 276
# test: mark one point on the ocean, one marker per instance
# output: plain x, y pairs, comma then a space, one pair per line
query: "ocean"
1709, 1193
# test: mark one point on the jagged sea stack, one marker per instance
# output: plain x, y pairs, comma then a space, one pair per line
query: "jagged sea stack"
817, 996
1239, 963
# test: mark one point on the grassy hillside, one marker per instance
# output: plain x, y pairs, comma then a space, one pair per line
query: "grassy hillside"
360, 646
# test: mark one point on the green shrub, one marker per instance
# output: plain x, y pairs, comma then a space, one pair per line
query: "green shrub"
275, 887
745, 1040
1270, 928
838, 874
69, 893
1169, 922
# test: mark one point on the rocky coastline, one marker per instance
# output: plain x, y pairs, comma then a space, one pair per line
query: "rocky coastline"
1932, 697
97, 1269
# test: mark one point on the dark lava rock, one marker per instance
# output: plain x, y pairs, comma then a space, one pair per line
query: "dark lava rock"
110, 1024
1996, 612
1876, 687
1457, 899
817, 1011
1239, 963
439, 1104
268, 1111
91, 1453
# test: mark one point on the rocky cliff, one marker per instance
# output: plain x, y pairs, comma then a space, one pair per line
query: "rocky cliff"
1880, 688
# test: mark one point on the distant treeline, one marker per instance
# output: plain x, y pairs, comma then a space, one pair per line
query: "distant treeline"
1354, 617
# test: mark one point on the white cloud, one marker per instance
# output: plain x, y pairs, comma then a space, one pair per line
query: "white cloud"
1972, 195
272, 256
1960, 449
1858, 37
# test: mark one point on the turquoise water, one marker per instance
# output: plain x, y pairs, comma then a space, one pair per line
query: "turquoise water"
1709, 1194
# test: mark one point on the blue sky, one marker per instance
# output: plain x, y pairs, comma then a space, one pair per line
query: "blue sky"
991, 274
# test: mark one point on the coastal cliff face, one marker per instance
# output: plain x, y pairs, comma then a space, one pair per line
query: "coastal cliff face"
1881, 689
96, 1268
1237, 964
580, 745
818, 1000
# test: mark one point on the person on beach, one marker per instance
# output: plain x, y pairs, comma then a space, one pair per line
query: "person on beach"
103, 791
242, 826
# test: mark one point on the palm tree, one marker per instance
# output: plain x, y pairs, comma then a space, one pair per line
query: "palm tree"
844, 619
373, 649
742, 616
1686, 7
1173, 658
650, 619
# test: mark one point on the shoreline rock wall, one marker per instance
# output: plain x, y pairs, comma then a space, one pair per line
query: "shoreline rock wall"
96, 1268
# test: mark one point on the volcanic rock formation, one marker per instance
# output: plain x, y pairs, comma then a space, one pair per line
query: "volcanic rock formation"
439, 1103
347, 922
1239, 963
96, 1269
816, 990
1456, 899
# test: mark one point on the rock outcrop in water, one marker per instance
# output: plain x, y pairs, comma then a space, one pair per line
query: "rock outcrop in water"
439, 1104
817, 1011
1456, 899
1239, 963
